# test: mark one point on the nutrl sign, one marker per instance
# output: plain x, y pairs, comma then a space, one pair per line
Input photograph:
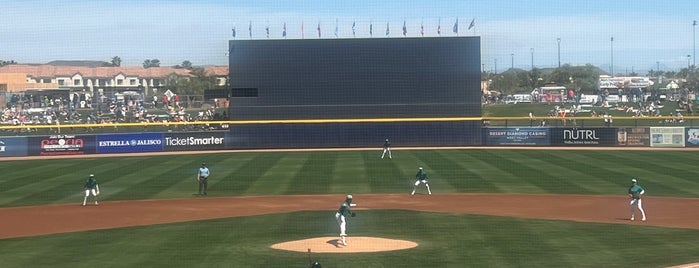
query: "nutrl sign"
583, 136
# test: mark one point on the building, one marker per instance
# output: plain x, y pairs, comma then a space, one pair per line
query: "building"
95, 81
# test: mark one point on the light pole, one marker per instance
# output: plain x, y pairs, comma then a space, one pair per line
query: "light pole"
496, 66
688, 57
512, 57
559, 51
532, 50
612, 67
694, 28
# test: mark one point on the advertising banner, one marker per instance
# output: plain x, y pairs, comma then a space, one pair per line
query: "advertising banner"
692, 137
194, 141
13, 146
584, 136
130, 143
633, 136
61, 145
516, 136
667, 136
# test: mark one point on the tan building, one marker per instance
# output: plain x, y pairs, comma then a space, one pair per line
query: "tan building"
20, 78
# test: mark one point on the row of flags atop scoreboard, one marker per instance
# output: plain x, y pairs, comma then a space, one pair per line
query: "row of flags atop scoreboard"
455, 29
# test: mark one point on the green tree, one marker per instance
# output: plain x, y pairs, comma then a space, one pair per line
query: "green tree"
116, 61
3, 62
148, 63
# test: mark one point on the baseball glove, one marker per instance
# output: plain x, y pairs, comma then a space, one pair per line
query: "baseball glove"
353, 214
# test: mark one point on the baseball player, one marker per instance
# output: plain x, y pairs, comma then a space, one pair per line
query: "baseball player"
386, 148
203, 178
635, 193
91, 187
342, 213
421, 177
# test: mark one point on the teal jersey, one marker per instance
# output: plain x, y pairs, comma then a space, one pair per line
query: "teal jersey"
344, 209
421, 176
635, 191
90, 183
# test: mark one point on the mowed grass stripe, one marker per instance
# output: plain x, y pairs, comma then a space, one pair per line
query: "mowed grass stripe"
238, 180
521, 166
384, 175
315, 175
349, 174
278, 178
149, 176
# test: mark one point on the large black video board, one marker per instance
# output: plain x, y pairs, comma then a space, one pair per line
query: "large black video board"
355, 78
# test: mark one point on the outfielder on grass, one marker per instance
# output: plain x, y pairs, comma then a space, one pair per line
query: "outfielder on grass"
636, 192
91, 187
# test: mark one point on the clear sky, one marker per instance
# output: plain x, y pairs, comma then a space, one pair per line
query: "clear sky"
646, 33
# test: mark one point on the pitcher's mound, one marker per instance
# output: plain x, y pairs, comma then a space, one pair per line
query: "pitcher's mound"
333, 244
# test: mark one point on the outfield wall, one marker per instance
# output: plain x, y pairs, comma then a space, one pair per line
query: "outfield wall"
346, 135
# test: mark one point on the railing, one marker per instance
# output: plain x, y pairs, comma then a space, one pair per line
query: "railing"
67, 128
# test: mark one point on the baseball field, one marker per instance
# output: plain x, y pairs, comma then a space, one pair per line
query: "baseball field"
489, 208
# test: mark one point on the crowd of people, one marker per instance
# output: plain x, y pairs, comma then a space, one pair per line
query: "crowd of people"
21, 110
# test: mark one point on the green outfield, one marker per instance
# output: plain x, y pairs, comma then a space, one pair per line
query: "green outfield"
446, 240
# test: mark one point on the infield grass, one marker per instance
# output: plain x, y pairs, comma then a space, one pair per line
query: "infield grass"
446, 240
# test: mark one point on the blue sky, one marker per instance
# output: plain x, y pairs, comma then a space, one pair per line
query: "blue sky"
646, 33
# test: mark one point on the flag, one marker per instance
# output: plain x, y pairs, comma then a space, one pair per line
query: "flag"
439, 27
354, 28
456, 27
422, 29
473, 24
301, 29
405, 30
371, 29
319, 30
284, 32
233, 32
250, 29
335, 27
387, 32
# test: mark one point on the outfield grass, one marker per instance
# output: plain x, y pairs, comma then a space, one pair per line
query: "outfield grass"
446, 240
52, 181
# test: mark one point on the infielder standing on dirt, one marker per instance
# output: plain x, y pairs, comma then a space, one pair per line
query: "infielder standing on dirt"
636, 192
421, 177
203, 178
386, 148
341, 216
91, 187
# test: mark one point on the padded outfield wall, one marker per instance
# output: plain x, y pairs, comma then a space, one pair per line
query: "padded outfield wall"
363, 79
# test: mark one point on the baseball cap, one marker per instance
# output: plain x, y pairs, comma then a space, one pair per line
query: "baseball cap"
349, 196
634, 180
92, 175
420, 167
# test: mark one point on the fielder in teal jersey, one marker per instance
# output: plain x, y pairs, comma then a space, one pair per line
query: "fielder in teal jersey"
341, 216
421, 177
91, 187
636, 193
